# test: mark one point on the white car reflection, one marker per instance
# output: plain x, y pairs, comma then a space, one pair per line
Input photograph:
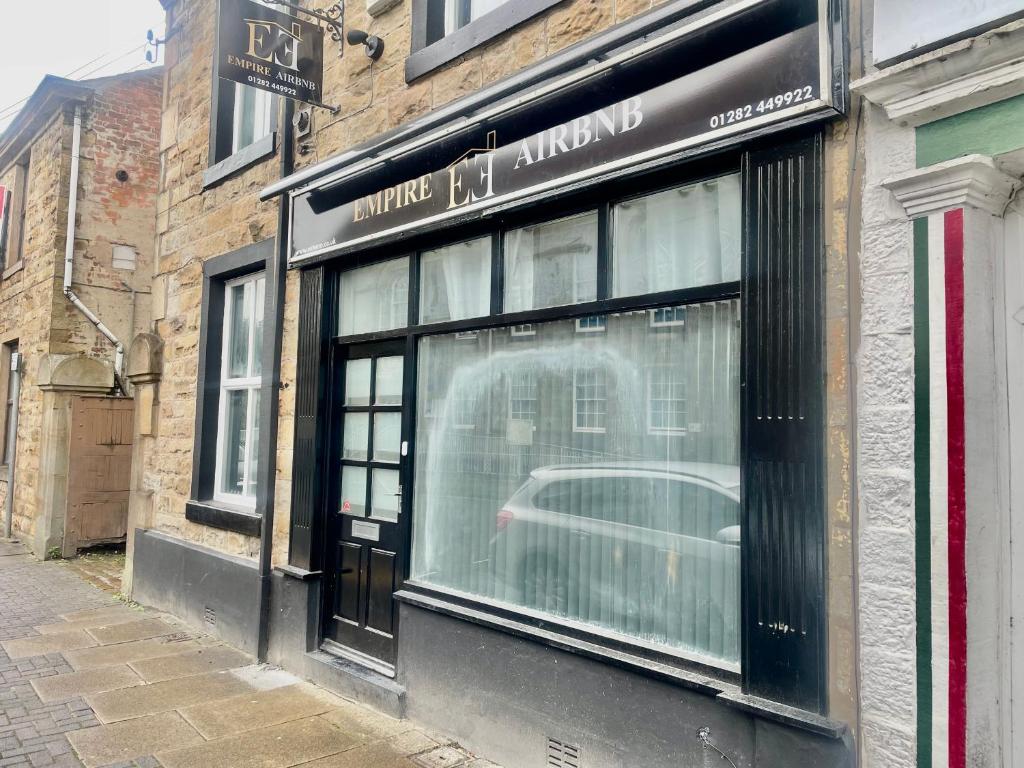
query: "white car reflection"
639, 539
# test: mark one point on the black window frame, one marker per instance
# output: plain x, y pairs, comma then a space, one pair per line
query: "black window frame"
783, 216
432, 49
217, 273
602, 200
222, 163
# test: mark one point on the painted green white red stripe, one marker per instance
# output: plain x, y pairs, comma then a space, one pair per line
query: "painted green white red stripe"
940, 498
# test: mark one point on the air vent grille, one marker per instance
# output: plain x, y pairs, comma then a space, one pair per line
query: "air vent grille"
562, 755
210, 616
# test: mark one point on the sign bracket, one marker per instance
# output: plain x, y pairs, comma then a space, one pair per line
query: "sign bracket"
332, 16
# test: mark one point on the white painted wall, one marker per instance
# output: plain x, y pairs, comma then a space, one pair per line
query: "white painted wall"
1013, 590
885, 456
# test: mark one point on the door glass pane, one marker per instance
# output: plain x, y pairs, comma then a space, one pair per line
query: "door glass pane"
551, 264
389, 380
353, 491
357, 436
387, 436
593, 477
374, 298
455, 281
357, 382
385, 495
679, 238
233, 446
239, 302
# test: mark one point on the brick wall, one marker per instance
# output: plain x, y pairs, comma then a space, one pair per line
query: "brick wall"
120, 132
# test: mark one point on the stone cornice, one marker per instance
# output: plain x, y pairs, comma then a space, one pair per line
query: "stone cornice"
958, 77
971, 181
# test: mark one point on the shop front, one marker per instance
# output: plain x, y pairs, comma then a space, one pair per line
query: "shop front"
559, 471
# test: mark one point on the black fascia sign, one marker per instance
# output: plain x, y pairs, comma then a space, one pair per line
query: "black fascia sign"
270, 50
770, 83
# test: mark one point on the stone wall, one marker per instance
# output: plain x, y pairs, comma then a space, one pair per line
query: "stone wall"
195, 225
119, 131
26, 301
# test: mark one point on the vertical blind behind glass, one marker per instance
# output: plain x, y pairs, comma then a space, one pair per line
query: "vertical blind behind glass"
542, 482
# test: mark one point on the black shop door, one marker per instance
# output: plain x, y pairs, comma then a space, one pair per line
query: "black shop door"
367, 513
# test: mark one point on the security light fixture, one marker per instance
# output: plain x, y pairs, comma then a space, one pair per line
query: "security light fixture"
374, 45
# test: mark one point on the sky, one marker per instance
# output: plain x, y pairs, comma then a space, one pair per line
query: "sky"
80, 39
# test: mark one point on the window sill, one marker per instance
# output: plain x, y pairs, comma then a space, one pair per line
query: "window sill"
13, 269
215, 515
242, 159
487, 27
726, 692
298, 573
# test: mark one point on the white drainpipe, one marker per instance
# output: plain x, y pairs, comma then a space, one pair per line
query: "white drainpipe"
69, 253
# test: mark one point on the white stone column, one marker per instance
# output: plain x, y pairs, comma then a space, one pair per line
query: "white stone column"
963, 202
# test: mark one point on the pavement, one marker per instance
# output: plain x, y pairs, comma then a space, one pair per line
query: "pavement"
87, 679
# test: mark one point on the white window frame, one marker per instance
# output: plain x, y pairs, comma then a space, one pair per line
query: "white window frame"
454, 14
655, 323
228, 384
523, 330
582, 325
263, 102
529, 382
651, 373
576, 403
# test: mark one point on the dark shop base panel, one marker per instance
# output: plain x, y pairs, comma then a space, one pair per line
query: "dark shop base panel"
294, 645
504, 697
215, 592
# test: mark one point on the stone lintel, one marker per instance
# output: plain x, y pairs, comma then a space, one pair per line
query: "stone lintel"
971, 181
956, 78
75, 373
145, 358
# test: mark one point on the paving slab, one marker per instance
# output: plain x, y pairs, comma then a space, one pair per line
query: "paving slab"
130, 739
259, 709
98, 623
15, 560
107, 612
142, 629
365, 724
395, 753
43, 644
60, 687
442, 757
104, 655
191, 662
278, 746
161, 697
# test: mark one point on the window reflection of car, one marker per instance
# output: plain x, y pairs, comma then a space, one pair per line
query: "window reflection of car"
638, 538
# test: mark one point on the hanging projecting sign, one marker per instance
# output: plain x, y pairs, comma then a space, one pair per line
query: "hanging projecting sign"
775, 81
270, 50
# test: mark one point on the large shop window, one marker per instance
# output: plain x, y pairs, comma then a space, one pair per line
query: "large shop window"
238, 420
587, 469
560, 499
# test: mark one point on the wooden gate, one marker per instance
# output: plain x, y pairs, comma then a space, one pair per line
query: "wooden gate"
99, 471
